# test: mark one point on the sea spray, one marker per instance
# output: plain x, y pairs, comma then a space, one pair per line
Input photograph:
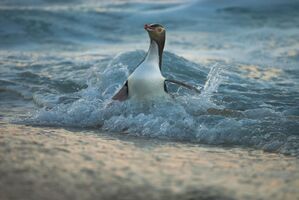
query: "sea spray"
207, 118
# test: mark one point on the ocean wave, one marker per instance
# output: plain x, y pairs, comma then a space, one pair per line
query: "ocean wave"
189, 117
59, 56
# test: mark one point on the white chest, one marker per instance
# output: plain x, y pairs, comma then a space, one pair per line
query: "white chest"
146, 82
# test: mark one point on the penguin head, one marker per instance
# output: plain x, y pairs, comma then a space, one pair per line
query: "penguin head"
156, 32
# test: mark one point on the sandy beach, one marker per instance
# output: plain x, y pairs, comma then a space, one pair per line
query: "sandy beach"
54, 163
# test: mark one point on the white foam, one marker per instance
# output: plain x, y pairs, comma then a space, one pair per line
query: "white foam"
188, 116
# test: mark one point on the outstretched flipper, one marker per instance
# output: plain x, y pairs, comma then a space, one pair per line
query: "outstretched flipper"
122, 94
190, 87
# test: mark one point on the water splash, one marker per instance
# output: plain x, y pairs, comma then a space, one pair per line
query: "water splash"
214, 79
189, 116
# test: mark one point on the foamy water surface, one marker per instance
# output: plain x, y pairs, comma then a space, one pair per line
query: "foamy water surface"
62, 62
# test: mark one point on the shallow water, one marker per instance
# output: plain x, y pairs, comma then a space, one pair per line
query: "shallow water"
62, 62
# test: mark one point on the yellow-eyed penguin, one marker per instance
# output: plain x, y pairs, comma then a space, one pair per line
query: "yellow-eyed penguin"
147, 82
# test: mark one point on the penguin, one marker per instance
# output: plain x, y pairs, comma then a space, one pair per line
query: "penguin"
146, 81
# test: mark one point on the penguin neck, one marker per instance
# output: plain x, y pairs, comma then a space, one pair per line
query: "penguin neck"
154, 53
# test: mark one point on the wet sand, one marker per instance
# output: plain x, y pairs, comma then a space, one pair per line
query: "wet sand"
53, 163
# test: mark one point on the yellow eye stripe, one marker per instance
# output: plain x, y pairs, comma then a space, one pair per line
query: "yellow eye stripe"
159, 29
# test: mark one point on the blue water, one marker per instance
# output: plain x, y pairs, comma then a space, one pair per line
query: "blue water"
62, 62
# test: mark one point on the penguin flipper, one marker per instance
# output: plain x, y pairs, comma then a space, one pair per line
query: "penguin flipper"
122, 94
190, 87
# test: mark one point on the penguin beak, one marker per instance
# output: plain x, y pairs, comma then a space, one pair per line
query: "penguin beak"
148, 27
